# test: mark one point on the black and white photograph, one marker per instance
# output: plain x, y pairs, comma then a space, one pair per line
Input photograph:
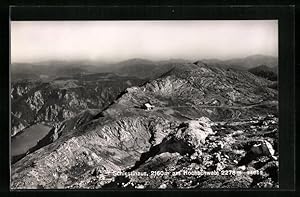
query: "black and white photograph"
144, 104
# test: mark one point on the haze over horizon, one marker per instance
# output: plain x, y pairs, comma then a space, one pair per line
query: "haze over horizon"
114, 41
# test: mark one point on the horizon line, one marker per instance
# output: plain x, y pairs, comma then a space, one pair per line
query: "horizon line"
138, 58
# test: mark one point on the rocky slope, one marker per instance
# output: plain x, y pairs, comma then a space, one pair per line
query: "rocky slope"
211, 128
60, 99
265, 72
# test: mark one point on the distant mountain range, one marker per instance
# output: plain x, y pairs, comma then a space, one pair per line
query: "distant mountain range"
141, 68
245, 63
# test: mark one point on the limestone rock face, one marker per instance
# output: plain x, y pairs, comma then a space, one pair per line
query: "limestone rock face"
17, 125
61, 99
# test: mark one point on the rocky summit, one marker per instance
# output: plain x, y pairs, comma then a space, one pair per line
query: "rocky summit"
208, 127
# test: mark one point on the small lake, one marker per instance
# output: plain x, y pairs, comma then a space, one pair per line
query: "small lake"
28, 138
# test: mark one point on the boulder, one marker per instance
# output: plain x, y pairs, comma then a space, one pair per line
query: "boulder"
188, 137
194, 132
263, 148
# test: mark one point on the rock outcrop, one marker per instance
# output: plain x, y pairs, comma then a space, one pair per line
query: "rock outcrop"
62, 99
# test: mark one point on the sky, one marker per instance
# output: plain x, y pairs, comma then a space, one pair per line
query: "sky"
113, 41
